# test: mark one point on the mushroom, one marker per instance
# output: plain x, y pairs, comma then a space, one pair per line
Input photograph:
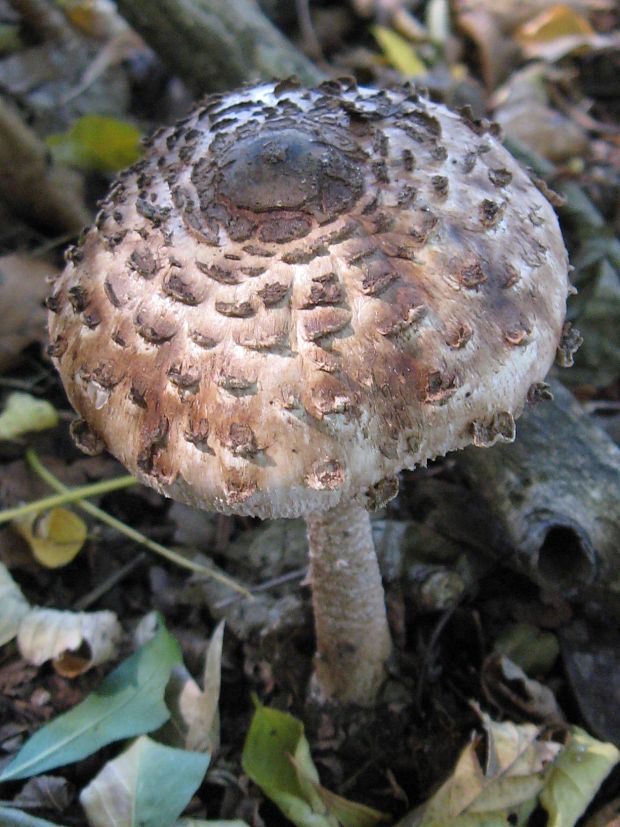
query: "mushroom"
296, 294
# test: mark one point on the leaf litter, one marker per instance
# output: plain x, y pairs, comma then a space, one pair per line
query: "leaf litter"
377, 761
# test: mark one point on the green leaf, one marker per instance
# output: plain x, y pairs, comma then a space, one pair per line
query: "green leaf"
10, 41
16, 818
276, 756
129, 702
201, 822
148, 785
575, 777
529, 647
23, 413
97, 143
398, 52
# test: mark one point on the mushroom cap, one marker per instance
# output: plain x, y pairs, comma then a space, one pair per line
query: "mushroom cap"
298, 293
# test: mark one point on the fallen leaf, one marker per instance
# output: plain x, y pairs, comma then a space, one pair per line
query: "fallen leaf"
558, 31
276, 756
129, 702
23, 413
10, 817
509, 14
97, 143
219, 822
23, 288
490, 24
47, 792
148, 785
13, 606
521, 107
73, 641
504, 792
55, 537
534, 650
10, 40
398, 52
95, 18
575, 777
194, 712
558, 21
508, 687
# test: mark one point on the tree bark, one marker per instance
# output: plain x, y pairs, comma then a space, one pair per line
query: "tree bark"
216, 45
555, 493
353, 638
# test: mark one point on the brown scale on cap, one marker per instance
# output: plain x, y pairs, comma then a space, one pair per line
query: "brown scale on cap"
300, 292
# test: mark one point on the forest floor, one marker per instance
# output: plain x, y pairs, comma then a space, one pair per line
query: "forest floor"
477, 641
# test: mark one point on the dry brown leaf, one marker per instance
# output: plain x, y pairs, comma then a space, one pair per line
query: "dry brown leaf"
557, 32
95, 18
23, 288
73, 641
490, 26
195, 722
521, 108
509, 688
47, 792
508, 14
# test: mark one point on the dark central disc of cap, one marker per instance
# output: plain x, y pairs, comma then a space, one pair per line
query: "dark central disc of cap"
288, 170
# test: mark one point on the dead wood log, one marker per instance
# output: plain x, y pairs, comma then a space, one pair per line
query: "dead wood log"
555, 492
44, 194
214, 45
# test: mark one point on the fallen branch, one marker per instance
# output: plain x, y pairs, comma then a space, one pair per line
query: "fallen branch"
40, 192
214, 45
555, 493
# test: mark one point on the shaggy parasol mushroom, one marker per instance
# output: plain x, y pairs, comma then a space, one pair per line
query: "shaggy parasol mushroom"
295, 295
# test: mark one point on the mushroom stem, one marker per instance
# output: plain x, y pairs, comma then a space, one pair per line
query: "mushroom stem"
353, 637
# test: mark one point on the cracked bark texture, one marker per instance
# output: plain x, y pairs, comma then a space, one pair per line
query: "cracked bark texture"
353, 638
214, 45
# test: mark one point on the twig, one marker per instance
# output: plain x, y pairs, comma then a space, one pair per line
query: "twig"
297, 574
101, 588
130, 532
426, 660
67, 495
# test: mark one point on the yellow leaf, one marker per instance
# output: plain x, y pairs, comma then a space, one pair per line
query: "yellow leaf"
576, 776
82, 15
513, 775
551, 24
398, 52
54, 537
